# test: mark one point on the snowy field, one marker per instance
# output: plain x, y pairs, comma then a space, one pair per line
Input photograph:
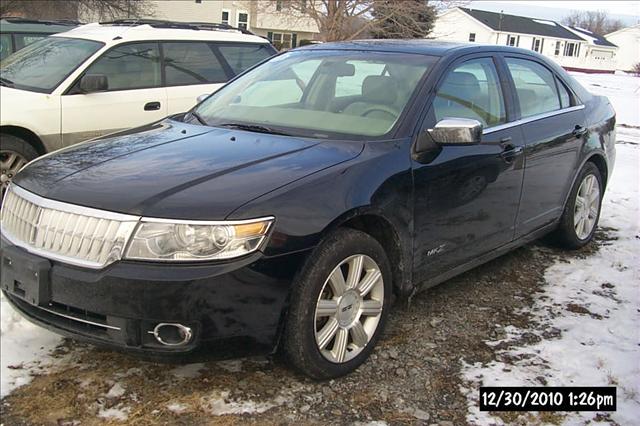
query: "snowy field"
592, 300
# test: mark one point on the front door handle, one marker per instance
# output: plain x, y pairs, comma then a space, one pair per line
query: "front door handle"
152, 106
510, 151
579, 131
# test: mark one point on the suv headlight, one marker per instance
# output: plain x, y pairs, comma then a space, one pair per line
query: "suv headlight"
163, 239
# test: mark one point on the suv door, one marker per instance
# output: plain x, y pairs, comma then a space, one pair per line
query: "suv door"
553, 125
466, 197
135, 96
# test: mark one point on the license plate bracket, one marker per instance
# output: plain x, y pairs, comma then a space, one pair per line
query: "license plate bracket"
25, 276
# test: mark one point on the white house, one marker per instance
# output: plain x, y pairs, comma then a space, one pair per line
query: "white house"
628, 42
276, 20
572, 48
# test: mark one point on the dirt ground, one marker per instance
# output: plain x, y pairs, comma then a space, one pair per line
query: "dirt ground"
411, 378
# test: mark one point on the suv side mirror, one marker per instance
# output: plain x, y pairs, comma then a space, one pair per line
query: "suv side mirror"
457, 131
90, 83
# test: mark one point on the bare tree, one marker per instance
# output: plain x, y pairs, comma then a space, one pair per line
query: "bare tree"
353, 19
598, 22
76, 9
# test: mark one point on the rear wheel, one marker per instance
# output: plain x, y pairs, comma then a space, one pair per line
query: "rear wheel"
339, 305
580, 217
15, 153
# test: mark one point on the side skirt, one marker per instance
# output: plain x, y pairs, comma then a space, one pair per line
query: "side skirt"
430, 282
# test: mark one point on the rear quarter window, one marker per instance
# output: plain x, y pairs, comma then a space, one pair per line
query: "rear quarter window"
241, 57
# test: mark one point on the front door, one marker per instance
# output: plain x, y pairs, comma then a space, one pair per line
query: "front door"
135, 96
466, 197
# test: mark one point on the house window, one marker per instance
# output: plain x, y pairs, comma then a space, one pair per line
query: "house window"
303, 6
538, 44
557, 51
513, 40
472, 36
198, 1
284, 40
225, 17
243, 20
571, 49
279, 4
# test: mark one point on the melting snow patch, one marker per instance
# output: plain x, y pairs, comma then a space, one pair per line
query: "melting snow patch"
115, 413
177, 407
232, 366
116, 391
219, 404
188, 371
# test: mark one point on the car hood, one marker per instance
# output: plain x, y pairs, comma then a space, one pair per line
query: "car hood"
176, 170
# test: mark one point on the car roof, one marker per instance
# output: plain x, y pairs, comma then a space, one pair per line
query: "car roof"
34, 26
108, 32
416, 46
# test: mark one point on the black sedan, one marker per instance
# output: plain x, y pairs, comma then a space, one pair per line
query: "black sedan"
288, 209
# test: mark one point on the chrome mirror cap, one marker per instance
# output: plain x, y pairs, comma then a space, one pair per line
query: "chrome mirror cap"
202, 97
454, 131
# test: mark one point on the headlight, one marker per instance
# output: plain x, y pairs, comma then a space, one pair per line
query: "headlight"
161, 239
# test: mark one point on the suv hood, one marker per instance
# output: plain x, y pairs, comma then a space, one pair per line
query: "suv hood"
177, 170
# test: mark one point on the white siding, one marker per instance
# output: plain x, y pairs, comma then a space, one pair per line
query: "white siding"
455, 25
628, 42
188, 11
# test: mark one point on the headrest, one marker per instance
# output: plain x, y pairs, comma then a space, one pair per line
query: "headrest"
461, 80
379, 89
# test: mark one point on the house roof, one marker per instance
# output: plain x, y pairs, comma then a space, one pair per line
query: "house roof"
596, 39
520, 24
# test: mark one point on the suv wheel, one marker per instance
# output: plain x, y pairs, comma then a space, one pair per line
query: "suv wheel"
339, 305
15, 153
580, 217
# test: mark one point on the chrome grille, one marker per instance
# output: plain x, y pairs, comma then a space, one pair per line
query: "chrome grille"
66, 232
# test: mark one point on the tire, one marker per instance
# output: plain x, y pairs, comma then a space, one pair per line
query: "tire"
569, 233
15, 153
313, 296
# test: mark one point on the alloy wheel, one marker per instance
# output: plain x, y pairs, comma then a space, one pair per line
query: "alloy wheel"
10, 163
349, 308
586, 208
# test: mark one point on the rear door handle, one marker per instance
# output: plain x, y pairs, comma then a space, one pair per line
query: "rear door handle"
579, 131
152, 106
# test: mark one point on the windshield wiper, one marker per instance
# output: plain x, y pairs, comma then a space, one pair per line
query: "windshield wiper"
6, 82
199, 118
253, 128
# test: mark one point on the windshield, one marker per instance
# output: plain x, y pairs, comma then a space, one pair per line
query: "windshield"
43, 65
323, 93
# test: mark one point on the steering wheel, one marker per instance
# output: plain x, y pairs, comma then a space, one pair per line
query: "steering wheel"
380, 108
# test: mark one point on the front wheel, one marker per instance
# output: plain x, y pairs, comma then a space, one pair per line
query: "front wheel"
582, 212
339, 305
15, 153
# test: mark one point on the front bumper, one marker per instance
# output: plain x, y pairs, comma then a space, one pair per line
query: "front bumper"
234, 308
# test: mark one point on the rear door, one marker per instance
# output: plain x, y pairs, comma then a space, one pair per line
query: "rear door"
192, 69
135, 95
466, 197
553, 125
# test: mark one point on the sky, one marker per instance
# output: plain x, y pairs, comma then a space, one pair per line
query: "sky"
627, 11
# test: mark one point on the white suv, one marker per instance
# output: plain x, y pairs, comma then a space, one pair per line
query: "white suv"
101, 78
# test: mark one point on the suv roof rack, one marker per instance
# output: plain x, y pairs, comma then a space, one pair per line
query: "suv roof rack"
22, 20
157, 23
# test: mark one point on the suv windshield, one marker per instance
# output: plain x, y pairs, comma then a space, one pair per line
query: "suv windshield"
43, 65
320, 93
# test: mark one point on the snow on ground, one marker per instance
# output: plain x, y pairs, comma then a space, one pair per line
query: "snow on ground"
24, 348
594, 301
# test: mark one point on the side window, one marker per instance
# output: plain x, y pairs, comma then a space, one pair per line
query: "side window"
131, 66
352, 85
471, 90
243, 56
6, 47
191, 63
23, 40
535, 87
565, 95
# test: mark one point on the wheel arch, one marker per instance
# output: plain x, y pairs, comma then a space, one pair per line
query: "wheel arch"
383, 230
601, 164
26, 135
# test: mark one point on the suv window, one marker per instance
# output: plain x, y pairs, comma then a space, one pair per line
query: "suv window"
131, 66
471, 90
535, 87
6, 46
23, 40
191, 63
242, 57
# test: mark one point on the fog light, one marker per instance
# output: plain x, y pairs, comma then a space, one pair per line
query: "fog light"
172, 334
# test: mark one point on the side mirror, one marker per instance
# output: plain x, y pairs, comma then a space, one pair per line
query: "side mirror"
202, 97
90, 83
457, 131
